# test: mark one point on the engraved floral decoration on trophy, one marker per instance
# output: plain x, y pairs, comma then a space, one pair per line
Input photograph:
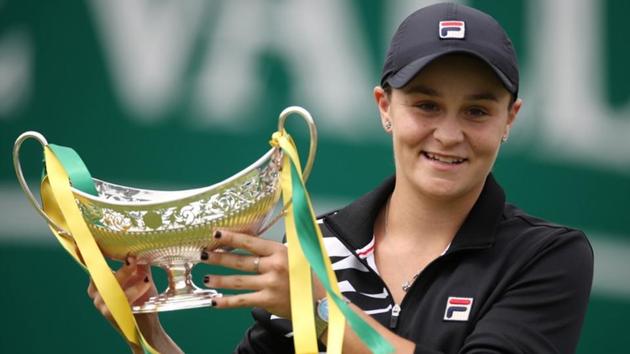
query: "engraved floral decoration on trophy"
227, 202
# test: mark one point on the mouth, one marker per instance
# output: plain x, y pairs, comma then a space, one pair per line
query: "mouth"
447, 159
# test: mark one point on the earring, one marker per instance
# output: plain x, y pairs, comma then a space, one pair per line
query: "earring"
388, 125
504, 138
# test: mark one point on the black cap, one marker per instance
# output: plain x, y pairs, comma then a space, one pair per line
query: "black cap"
445, 28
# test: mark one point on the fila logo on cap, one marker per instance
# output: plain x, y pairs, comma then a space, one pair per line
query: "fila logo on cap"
458, 308
452, 29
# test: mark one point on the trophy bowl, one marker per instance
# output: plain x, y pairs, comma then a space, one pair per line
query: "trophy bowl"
169, 229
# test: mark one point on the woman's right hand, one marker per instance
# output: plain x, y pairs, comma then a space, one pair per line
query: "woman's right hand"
137, 283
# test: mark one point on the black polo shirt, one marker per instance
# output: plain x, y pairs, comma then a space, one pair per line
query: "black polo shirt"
508, 283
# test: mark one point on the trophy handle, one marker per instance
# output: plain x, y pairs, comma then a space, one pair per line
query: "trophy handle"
312, 132
312, 129
20, 176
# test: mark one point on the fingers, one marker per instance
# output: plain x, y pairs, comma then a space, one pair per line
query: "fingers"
140, 273
253, 244
126, 270
121, 276
252, 264
263, 299
91, 290
236, 282
136, 281
101, 307
241, 300
138, 293
268, 255
270, 261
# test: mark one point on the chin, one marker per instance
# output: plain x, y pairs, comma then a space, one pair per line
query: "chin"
443, 192
439, 188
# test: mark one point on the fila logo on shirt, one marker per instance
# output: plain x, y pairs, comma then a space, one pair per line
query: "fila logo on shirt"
452, 29
458, 308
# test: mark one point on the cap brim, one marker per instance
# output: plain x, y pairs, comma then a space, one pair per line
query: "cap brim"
407, 73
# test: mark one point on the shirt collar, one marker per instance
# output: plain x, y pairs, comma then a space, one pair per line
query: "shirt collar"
355, 223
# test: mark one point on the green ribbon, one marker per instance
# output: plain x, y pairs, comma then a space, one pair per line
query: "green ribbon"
75, 168
313, 253
81, 179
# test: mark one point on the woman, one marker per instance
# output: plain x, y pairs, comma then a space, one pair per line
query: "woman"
434, 258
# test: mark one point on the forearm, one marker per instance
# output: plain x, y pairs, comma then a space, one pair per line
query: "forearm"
155, 334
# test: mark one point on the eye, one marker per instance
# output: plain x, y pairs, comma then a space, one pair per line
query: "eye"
427, 107
476, 112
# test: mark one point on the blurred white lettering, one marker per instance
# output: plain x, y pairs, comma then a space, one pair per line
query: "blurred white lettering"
324, 50
148, 44
568, 70
16, 69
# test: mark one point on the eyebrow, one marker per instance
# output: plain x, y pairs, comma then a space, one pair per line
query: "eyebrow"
419, 88
429, 91
488, 96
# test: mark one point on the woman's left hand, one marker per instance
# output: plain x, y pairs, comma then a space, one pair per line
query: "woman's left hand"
270, 284
268, 262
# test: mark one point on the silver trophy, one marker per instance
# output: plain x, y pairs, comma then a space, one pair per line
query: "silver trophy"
170, 228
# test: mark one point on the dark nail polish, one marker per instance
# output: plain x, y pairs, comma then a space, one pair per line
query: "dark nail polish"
146, 279
206, 279
214, 303
204, 255
217, 234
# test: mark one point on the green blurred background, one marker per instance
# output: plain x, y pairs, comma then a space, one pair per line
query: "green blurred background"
179, 93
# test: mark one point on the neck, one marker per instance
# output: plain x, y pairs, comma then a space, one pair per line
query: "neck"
413, 215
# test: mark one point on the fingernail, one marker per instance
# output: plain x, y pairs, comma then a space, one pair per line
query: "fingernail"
204, 255
214, 303
146, 279
217, 234
206, 279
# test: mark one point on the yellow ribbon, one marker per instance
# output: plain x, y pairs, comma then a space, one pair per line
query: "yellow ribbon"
302, 311
59, 203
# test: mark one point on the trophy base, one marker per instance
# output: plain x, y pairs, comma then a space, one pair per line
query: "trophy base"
165, 302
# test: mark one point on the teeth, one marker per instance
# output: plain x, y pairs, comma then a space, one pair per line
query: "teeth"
445, 159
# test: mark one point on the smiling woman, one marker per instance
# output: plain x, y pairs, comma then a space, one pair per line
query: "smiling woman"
434, 259
447, 125
435, 255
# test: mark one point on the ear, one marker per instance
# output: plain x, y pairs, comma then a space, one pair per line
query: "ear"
383, 104
512, 114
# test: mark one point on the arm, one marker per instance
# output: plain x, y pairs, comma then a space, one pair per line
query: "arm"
271, 292
541, 310
138, 286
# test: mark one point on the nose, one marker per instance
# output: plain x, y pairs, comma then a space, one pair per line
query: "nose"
448, 131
